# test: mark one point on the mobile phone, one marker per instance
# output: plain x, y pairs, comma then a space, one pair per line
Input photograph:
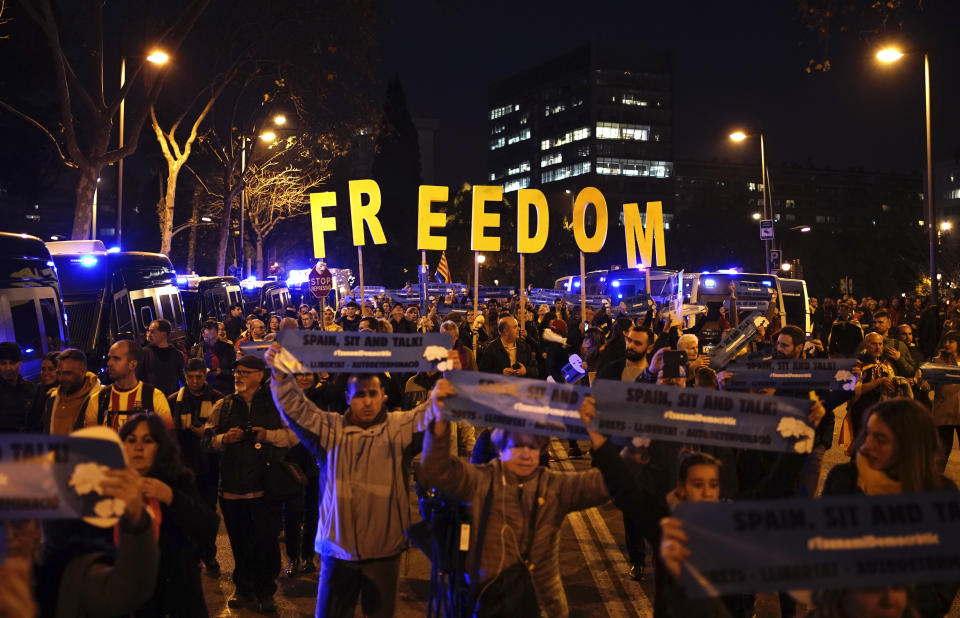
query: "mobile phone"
672, 359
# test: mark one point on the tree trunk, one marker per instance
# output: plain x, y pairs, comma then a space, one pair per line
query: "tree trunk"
166, 210
259, 243
194, 219
83, 211
224, 236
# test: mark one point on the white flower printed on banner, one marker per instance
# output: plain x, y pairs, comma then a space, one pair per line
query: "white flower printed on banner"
87, 477
435, 353
789, 427
109, 507
846, 379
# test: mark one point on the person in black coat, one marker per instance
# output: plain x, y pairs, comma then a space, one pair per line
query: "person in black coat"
507, 354
218, 357
186, 522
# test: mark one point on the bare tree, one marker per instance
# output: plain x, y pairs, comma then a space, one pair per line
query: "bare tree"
176, 155
86, 117
275, 194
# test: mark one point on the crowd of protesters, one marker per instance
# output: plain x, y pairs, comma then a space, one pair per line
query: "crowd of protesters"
211, 433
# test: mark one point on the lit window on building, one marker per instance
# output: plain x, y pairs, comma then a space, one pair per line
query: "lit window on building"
519, 137
497, 143
616, 130
551, 159
583, 151
520, 183
567, 171
553, 109
632, 99
790, 203
955, 194
566, 138
525, 118
493, 175
499, 112
498, 129
634, 167
519, 169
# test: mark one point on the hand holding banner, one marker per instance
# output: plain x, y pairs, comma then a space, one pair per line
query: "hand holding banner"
831, 542
737, 339
516, 404
631, 409
312, 351
57, 477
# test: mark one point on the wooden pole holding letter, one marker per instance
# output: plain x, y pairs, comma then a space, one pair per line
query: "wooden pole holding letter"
476, 295
523, 297
583, 292
360, 268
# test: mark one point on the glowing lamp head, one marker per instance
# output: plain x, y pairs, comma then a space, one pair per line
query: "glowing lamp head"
710, 283
158, 56
756, 216
889, 54
481, 259
805, 229
268, 136
738, 136
785, 267
946, 226
279, 120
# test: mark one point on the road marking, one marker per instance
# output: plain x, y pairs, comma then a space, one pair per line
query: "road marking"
610, 548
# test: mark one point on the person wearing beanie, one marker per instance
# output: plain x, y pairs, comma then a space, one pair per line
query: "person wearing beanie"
16, 394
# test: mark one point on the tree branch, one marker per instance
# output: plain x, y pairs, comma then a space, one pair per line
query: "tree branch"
42, 129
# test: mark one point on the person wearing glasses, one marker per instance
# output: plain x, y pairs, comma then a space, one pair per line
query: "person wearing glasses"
243, 427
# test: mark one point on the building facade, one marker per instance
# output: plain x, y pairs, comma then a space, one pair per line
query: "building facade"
601, 115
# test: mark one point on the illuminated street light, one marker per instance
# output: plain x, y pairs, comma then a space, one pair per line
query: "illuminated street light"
268, 136
785, 267
206, 219
805, 229
739, 136
158, 56
756, 216
279, 120
889, 54
946, 226
481, 259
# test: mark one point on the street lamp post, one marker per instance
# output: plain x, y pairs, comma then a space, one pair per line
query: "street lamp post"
890, 55
269, 137
156, 57
739, 136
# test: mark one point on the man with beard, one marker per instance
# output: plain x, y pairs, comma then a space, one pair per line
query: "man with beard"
76, 394
639, 343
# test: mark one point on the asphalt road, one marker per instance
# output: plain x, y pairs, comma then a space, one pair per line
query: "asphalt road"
592, 563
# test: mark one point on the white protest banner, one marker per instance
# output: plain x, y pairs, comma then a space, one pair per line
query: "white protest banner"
57, 477
702, 416
796, 374
737, 339
516, 404
936, 373
851, 541
310, 351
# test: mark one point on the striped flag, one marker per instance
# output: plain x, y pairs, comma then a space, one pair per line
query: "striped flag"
443, 271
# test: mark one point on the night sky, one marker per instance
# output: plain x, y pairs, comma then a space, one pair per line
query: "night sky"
735, 64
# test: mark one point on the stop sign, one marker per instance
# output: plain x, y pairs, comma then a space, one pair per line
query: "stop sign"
321, 281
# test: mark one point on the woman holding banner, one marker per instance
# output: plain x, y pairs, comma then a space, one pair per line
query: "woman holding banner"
517, 507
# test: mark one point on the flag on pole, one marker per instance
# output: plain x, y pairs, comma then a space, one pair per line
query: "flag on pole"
443, 271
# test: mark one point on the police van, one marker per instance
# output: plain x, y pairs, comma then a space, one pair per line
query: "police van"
31, 305
110, 296
621, 284
753, 293
272, 295
207, 298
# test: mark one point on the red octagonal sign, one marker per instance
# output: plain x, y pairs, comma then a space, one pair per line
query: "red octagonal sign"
321, 281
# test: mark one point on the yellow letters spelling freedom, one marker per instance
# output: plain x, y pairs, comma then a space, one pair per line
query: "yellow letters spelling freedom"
365, 202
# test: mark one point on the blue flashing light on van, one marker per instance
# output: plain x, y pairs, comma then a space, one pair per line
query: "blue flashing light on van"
88, 261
